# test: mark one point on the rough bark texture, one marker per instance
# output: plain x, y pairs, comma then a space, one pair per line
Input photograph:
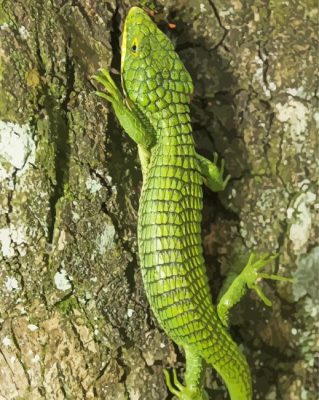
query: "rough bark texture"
75, 323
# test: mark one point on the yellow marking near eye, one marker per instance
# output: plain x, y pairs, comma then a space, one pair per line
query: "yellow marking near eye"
123, 47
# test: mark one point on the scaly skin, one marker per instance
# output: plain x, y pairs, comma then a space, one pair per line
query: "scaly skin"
155, 113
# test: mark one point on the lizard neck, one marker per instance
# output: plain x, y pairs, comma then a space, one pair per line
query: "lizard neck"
172, 125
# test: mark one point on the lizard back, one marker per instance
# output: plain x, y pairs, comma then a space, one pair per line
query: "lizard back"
172, 263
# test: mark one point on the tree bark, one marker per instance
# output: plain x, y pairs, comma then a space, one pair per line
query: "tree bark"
75, 323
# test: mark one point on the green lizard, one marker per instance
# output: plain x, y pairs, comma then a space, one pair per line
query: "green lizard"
154, 111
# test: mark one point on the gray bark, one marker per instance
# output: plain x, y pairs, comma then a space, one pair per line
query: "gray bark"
75, 323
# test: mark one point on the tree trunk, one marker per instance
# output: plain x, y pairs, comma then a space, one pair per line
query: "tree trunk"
75, 323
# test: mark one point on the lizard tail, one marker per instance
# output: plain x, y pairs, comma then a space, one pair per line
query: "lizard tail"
233, 368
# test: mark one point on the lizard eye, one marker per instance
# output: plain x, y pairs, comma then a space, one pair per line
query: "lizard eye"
134, 46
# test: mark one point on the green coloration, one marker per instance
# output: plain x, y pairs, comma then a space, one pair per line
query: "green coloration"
67, 305
155, 114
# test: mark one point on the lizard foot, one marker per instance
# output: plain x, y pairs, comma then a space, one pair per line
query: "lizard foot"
183, 392
112, 92
221, 171
251, 274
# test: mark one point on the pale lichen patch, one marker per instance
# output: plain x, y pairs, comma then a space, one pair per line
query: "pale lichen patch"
33, 327
11, 284
4, 27
300, 217
36, 359
300, 92
295, 115
306, 277
130, 312
6, 341
23, 32
17, 149
62, 281
62, 240
93, 185
10, 237
316, 118
202, 7
5, 241
106, 240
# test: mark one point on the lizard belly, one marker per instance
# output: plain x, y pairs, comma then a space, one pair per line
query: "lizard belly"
170, 251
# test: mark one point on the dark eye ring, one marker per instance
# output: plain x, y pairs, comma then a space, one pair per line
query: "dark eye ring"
134, 47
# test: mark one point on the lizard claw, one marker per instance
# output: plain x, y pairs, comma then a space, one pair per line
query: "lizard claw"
222, 166
251, 274
224, 181
104, 96
183, 392
106, 80
176, 382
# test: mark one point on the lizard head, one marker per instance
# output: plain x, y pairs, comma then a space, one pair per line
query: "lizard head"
153, 76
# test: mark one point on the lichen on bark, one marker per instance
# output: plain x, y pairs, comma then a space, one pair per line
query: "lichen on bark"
74, 320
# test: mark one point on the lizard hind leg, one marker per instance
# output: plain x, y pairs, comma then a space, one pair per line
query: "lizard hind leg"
194, 376
248, 278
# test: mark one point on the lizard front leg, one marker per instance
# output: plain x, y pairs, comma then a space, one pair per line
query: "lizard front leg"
130, 117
